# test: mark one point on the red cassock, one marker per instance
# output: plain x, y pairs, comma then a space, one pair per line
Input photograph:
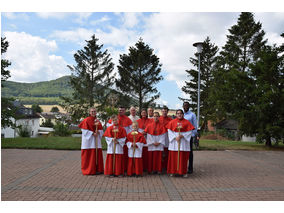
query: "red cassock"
165, 121
135, 162
125, 122
176, 166
156, 132
115, 163
91, 147
142, 123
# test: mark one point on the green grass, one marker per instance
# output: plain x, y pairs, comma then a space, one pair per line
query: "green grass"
236, 145
70, 143
60, 143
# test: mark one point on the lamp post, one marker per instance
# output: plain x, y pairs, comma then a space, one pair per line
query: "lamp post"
199, 46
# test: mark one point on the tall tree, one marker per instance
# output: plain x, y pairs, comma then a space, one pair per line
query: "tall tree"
91, 79
5, 74
37, 108
207, 63
139, 71
265, 117
232, 81
7, 108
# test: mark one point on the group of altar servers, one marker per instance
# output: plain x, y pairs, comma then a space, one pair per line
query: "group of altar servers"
150, 143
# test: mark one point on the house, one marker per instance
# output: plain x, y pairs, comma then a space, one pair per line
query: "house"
45, 116
26, 118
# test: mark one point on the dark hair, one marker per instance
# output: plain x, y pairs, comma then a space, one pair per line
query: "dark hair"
186, 102
180, 110
165, 108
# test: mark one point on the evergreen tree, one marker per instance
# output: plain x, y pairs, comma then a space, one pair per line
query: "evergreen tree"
5, 74
36, 108
139, 71
7, 108
207, 63
265, 117
232, 85
91, 79
54, 109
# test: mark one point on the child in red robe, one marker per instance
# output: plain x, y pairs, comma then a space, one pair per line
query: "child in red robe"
156, 138
115, 136
135, 149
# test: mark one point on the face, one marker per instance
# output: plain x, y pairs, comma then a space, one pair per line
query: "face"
144, 114
134, 126
185, 107
179, 115
150, 112
133, 111
121, 111
93, 112
115, 121
156, 117
164, 112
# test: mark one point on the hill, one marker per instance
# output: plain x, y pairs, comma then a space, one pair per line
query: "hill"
45, 92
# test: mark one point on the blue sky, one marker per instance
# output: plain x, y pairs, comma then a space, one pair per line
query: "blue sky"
42, 44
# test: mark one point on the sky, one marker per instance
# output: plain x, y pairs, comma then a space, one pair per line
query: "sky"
42, 44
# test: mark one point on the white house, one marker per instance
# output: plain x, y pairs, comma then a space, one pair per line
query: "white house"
25, 118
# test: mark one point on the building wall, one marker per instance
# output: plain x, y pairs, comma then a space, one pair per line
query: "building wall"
32, 124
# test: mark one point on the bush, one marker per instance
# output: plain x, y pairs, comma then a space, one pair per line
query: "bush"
24, 131
226, 134
47, 123
61, 129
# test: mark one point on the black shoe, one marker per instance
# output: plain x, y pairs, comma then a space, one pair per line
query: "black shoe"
190, 172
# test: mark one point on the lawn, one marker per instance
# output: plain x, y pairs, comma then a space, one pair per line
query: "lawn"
70, 143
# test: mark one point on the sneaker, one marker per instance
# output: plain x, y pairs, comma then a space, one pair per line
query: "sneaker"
185, 176
171, 175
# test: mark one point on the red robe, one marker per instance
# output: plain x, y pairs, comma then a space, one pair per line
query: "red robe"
165, 121
184, 154
119, 167
155, 153
135, 163
142, 123
125, 122
90, 162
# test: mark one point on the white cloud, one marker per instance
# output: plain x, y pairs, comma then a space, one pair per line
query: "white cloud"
10, 15
130, 19
31, 58
78, 36
101, 20
161, 101
56, 15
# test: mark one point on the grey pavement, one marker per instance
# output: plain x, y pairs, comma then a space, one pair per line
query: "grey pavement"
53, 175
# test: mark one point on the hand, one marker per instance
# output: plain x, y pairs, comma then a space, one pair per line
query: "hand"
197, 138
115, 141
95, 134
156, 144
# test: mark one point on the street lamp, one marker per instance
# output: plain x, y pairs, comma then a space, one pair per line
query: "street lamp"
199, 46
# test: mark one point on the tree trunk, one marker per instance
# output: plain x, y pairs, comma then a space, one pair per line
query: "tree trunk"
268, 141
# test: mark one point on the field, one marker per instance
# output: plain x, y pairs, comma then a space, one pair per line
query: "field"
70, 143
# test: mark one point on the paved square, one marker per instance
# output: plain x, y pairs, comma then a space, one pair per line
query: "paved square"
218, 175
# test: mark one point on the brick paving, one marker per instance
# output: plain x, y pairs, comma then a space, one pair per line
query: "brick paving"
53, 175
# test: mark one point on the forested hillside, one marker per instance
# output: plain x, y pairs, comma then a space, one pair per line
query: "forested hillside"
46, 92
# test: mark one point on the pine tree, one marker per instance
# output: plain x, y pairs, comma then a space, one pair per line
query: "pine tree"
91, 80
207, 63
232, 81
139, 71
265, 117
7, 108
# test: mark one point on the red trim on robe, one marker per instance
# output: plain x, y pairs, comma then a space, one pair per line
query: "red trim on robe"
109, 132
172, 162
138, 138
89, 124
165, 158
145, 158
155, 128
137, 168
88, 161
123, 121
118, 167
155, 161
186, 125
165, 120
143, 122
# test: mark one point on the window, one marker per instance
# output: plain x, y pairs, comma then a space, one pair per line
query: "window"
33, 122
